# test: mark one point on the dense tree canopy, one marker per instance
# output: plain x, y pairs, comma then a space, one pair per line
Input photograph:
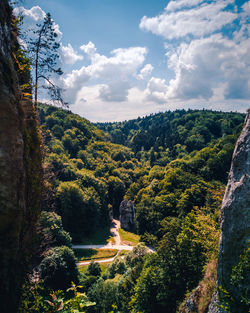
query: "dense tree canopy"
173, 166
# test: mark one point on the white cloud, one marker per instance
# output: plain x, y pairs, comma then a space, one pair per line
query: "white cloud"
35, 13
89, 105
69, 55
197, 21
175, 5
89, 49
207, 64
246, 9
32, 17
244, 20
115, 91
115, 71
201, 66
156, 90
145, 71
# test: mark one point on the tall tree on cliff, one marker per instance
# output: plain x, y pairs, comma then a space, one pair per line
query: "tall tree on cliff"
43, 47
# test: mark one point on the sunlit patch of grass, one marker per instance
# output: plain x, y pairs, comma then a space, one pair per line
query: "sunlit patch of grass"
82, 268
94, 254
128, 238
104, 266
124, 252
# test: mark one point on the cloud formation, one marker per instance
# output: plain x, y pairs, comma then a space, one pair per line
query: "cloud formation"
145, 71
196, 21
69, 55
114, 72
208, 64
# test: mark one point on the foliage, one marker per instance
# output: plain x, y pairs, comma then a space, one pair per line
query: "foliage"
36, 300
52, 231
192, 129
58, 268
43, 48
93, 269
174, 168
236, 297
89, 176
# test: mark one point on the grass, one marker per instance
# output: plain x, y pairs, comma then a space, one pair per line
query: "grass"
89, 254
103, 266
128, 238
124, 252
99, 237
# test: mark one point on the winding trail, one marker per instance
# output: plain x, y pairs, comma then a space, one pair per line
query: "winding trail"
115, 233
117, 246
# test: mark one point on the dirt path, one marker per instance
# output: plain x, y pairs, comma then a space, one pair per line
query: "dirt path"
107, 246
115, 231
115, 225
117, 246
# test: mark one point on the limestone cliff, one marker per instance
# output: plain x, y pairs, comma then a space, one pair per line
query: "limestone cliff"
235, 235
20, 169
235, 213
127, 215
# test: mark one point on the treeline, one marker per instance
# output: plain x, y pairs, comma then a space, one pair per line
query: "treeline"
193, 129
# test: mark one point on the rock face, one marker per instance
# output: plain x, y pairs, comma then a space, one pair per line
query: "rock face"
20, 169
127, 215
235, 211
213, 306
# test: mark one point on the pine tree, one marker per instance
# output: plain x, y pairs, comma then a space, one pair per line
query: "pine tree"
43, 48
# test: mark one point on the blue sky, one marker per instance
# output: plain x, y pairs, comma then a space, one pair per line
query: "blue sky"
128, 58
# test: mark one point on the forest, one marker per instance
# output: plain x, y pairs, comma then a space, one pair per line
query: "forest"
66, 182
173, 166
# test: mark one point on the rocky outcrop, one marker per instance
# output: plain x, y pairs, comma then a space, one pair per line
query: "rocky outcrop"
235, 232
235, 225
214, 305
235, 211
127, 215
20, 169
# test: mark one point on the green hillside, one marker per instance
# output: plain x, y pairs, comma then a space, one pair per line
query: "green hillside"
174, 167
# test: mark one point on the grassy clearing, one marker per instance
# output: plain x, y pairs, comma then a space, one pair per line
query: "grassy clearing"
99, 237
82, 268
89, 254
124, 252
104, 266
128, 238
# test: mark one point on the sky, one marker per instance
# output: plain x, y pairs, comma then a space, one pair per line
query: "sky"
128, 58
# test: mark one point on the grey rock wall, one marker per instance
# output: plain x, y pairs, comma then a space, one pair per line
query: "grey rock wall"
20, 171
127, 215
235, 210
